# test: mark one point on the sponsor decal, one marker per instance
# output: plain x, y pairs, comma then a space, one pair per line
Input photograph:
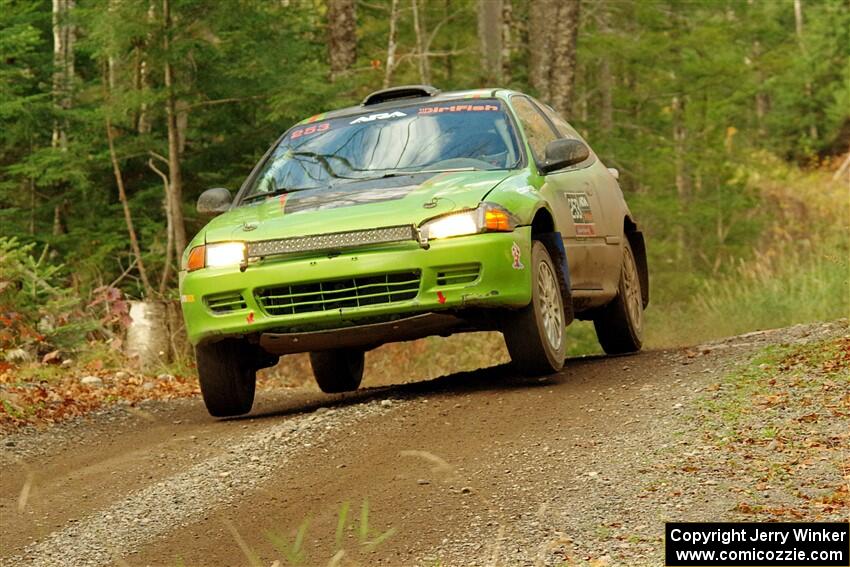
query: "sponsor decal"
441, 298
309, 130
250, 318
187, 298
585, 230
516, 253
582, 214
378, 116
458, 108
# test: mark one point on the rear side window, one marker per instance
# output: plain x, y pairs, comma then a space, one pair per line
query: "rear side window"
536, 127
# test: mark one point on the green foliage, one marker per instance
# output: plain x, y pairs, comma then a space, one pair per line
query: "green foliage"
244, 71
39, 313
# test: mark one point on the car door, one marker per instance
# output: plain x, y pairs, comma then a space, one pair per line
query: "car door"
572, 196
611, 203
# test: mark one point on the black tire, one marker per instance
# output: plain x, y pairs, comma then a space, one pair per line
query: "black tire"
228, 376
338, 370
619, 325
535, 335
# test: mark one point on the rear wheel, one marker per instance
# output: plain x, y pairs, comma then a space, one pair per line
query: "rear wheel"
619, 325
534, 335
338, 370
227, 373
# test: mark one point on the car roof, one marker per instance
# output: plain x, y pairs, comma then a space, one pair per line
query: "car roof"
407, 100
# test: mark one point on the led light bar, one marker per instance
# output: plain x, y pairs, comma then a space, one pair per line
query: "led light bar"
334, 241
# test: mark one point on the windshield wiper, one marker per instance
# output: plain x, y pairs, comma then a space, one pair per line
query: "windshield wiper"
416, 172
266, 195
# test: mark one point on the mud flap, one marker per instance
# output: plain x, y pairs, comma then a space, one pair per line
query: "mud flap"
638, 245
554, 243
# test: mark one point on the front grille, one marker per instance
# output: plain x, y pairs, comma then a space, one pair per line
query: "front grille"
333, 241
225, 302
457, 275
338, 294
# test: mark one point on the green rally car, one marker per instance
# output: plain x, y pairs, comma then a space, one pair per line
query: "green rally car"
416, 213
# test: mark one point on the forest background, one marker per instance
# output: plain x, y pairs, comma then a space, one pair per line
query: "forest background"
729, 121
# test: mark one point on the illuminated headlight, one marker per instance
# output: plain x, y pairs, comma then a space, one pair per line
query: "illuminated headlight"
488, 217
225, 254
456, 224
216, 255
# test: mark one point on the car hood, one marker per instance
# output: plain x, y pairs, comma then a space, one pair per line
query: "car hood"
355, 205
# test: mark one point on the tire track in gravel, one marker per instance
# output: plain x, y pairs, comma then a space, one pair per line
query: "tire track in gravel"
120, 528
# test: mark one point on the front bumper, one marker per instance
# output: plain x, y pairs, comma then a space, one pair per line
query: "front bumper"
502, 281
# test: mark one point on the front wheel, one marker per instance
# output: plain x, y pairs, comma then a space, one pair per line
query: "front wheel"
619, 325
339, 370
534, 335
227, 373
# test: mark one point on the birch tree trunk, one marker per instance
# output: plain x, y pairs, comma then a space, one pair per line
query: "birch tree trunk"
421, 54
798, 26
342, 35
64, 35
677, 106
175, 175
562, 71
490, 39
391, 44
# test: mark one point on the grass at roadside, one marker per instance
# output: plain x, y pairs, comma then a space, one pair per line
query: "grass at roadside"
778, 290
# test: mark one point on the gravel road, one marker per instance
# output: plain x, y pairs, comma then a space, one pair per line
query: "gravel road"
478, 468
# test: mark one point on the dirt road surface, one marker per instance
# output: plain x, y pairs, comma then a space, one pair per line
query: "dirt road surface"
480, 468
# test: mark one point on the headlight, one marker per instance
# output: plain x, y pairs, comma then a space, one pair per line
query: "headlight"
216, 255
456, 224
488, 217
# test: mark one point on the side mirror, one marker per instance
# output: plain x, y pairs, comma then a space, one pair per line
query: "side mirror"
564, 153
214, 202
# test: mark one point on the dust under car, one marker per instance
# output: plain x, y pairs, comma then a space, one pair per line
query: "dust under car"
416, 213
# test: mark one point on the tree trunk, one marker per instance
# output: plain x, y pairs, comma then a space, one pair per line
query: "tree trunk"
562, 71
422, 55
169, 229
606, 95
507, 41
606, 78
490, 39
542, 14
342, 35
391, 44
762, 99
677, 106
64, 35
128, 218
175, 175
807, 87
141, 77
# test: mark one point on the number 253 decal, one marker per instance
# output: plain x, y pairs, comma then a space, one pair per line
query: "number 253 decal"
307, 130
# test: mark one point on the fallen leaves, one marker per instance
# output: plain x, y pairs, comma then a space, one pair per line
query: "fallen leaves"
47, 402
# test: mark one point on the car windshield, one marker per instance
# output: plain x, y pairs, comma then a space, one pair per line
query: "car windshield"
464, 134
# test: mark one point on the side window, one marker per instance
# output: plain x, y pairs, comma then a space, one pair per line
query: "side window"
567, 131
537, 129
